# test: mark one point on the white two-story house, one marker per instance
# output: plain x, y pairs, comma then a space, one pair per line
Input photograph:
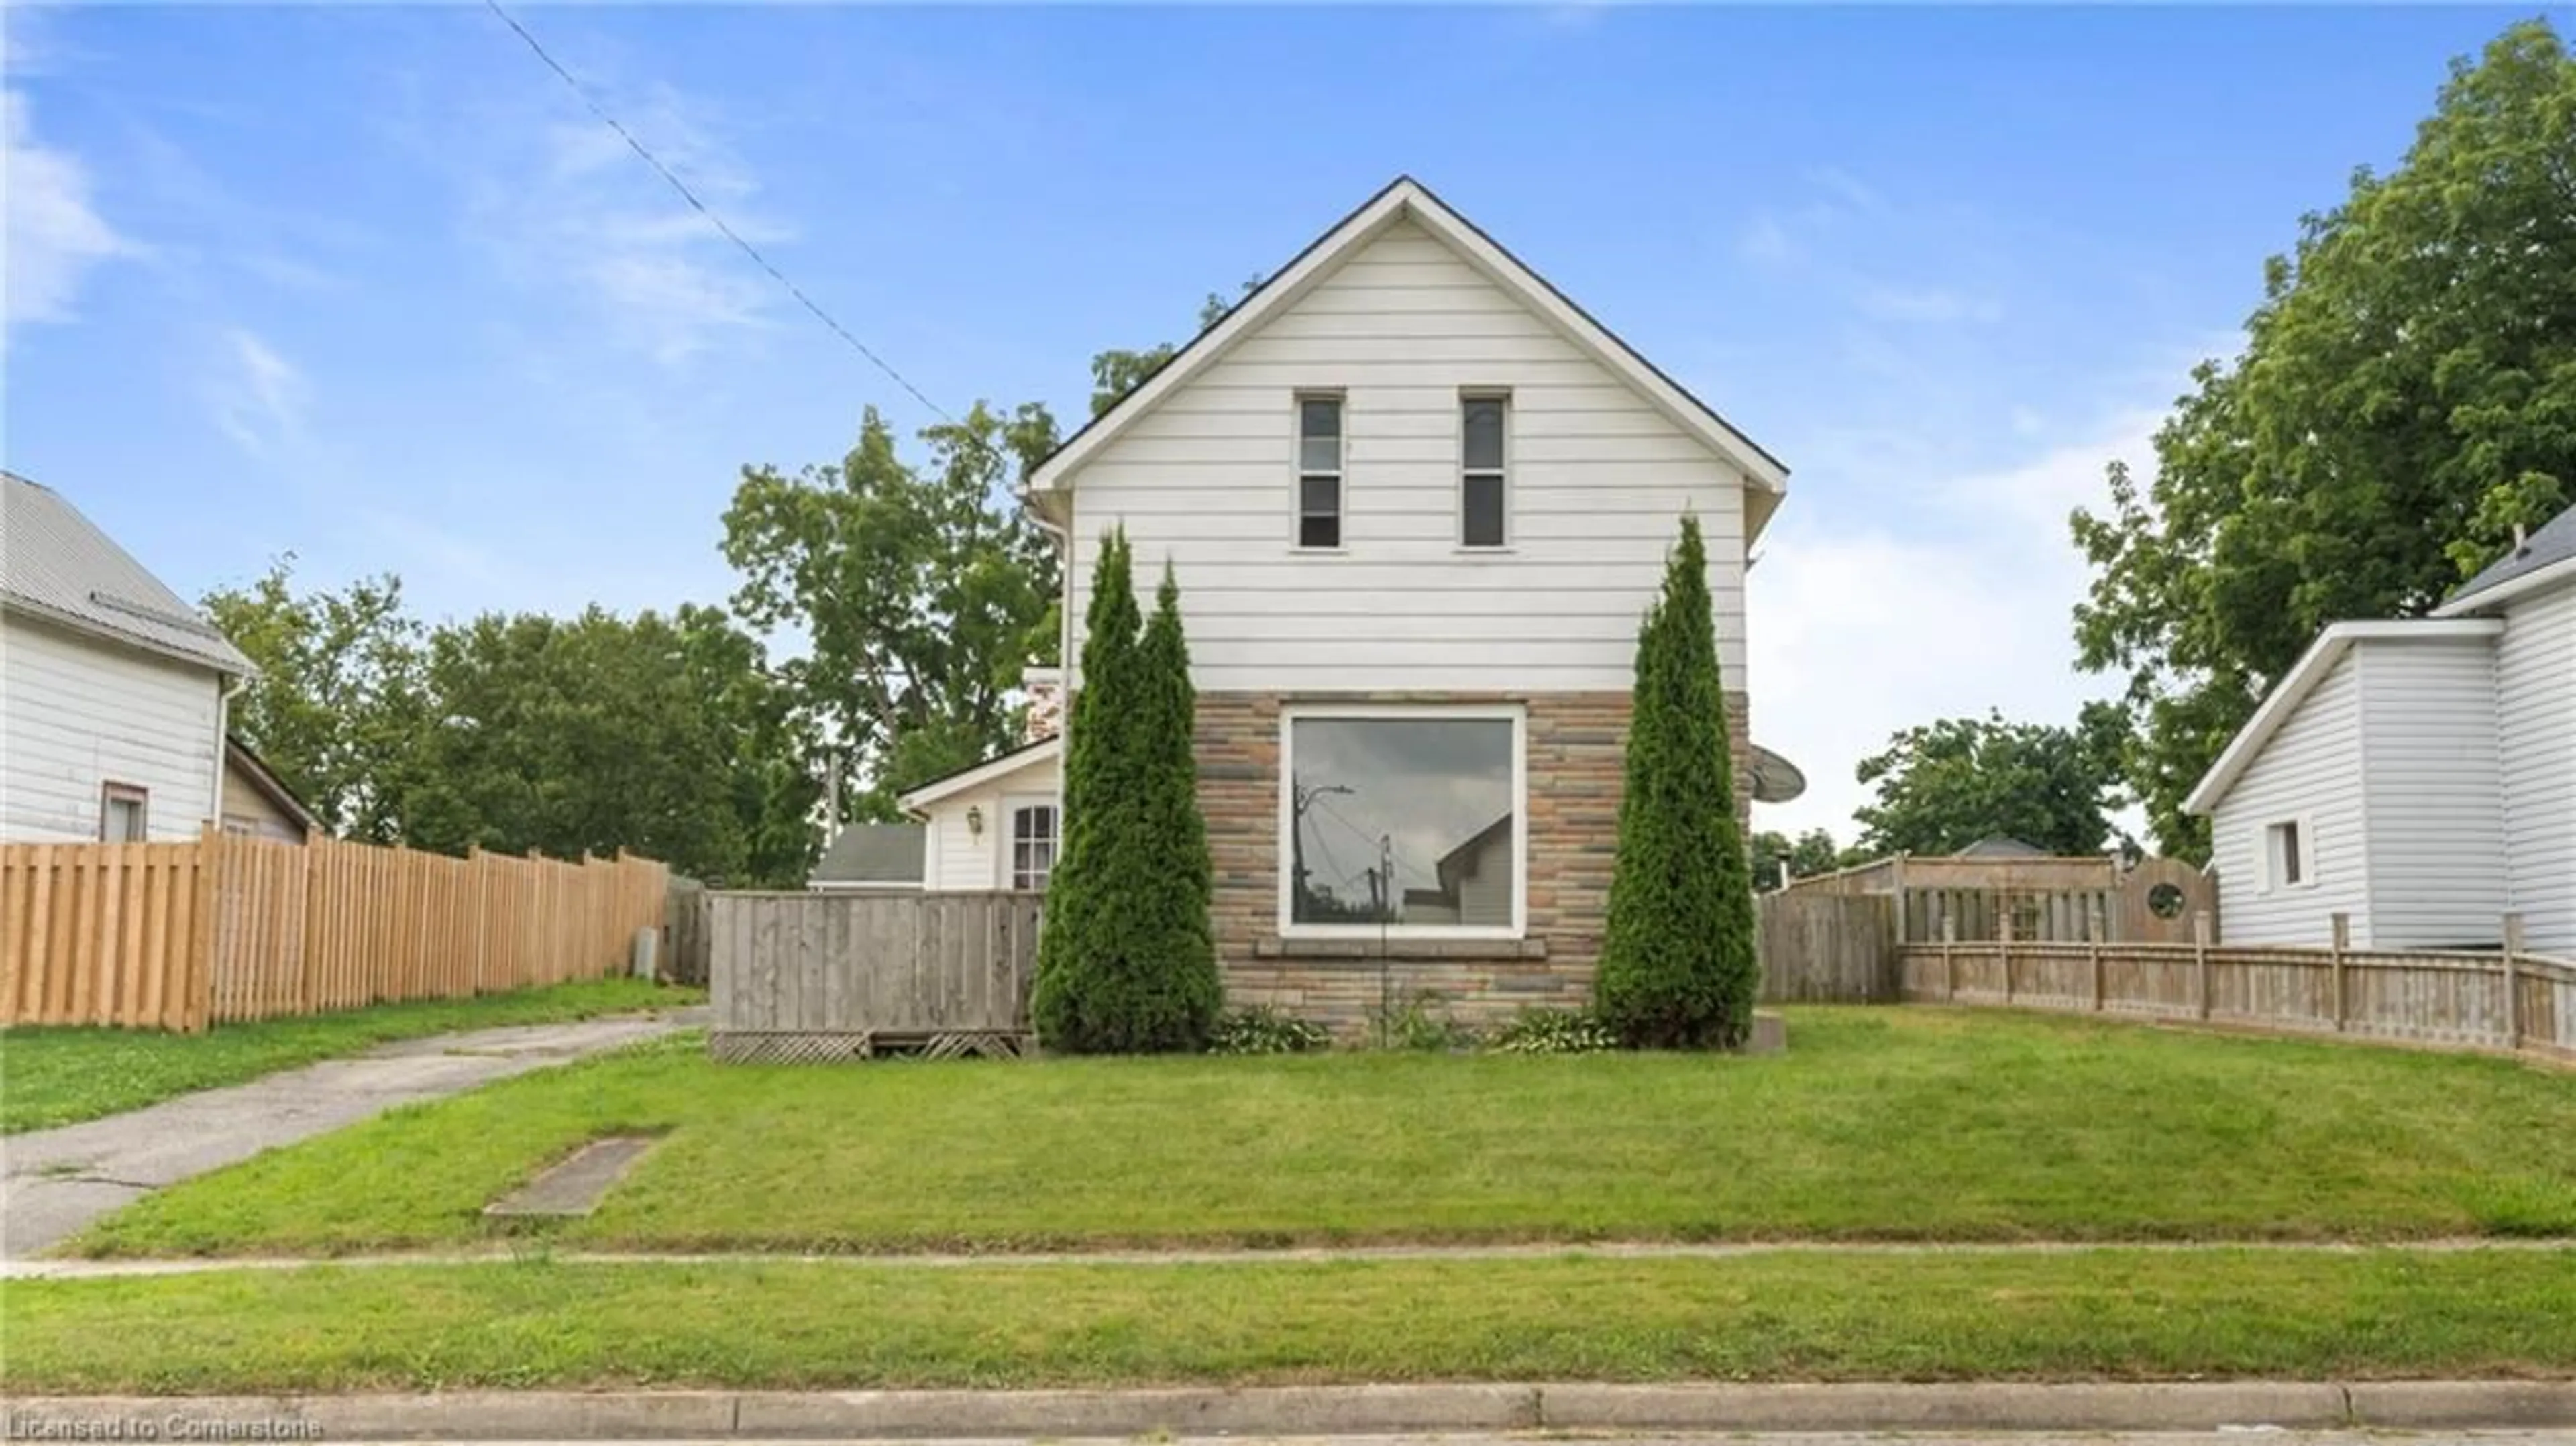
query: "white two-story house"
2416, 776
1417, 502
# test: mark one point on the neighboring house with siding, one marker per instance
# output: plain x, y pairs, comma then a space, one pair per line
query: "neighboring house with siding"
113, 690
258, 804
1417, 502
2417, 776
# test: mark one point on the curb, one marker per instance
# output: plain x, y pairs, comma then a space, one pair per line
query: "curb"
1316, 1410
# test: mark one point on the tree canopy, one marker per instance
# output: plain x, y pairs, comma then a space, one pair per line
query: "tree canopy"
1944, 785
670, 736
2405, 397
921, 594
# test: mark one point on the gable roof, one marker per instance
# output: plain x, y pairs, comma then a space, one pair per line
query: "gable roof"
2545, 557
2001, 846
262, 778
1403, 198
1042, 751
2302, 679
56, 564
873, 853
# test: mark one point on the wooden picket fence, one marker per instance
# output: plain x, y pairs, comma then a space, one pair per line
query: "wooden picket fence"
2507, 1000
183, 935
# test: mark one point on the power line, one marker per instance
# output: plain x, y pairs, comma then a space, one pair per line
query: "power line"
705, 210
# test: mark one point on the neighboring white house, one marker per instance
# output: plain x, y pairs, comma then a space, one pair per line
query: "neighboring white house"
1417, 502
2416, 776
113, 691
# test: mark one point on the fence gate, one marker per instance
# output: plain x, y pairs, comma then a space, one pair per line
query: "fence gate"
816, 976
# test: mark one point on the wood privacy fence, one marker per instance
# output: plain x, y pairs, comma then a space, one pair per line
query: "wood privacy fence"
1821, 948
181, 935
2491, 1001
2070, 900
829, 975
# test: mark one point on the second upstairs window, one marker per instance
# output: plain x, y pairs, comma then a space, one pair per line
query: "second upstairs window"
1319, 472
1485, 434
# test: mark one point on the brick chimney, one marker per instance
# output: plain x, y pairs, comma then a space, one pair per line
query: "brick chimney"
1045, 687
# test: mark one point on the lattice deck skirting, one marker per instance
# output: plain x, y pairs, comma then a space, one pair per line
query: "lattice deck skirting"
822, 1046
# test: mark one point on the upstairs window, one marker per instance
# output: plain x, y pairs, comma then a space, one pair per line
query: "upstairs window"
1485, 427
1319, 472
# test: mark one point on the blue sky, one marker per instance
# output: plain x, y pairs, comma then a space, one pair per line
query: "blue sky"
368, 285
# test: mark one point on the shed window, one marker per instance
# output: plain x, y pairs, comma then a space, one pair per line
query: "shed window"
123, 813
2286, 858
1484, 441
1034, 839
1319, 471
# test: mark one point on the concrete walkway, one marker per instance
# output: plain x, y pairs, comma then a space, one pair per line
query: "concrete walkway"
57, 1181
73, 1269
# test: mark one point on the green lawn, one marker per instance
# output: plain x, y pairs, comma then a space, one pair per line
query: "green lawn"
2123, 1314
1886, 1124
62, 1076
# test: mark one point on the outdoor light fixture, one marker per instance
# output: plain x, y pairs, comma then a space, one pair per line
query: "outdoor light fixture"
975, 822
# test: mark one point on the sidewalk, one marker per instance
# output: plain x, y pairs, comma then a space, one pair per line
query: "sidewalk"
57, 1181
59, 1269
1336, 1411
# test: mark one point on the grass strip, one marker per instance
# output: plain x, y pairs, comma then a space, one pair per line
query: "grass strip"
2104, 1314
1878, 1124
61, 1076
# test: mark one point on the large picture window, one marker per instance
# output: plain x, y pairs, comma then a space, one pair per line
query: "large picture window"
1402, 818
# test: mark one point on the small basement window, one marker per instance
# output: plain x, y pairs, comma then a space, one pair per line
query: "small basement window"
123, 813
1319, 472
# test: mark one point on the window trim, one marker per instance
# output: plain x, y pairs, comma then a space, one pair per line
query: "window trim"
112, 792
1006, 865
2306, 859
1297, 472
1502, 474
1290, 713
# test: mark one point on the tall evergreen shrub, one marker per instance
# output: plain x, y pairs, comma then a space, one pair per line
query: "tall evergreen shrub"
1127, 963
1677, 960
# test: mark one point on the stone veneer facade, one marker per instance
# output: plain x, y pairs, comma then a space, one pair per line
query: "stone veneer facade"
1577, 745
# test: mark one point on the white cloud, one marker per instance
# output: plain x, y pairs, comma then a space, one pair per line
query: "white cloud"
1930, 305
259, 398
582, 206
1858, 632
54, 233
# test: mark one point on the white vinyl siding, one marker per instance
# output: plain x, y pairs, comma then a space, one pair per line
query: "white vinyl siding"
1599, 480
2306, 772
2429, 786
78, 713
957, 858
2536, 738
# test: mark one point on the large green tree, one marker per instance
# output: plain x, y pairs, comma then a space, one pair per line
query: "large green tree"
664, 735
1677, 956
920, 592
337, 703
2405, 397
1944, 785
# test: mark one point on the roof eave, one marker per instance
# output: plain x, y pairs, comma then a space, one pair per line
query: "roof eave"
234, 667
2495, 594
